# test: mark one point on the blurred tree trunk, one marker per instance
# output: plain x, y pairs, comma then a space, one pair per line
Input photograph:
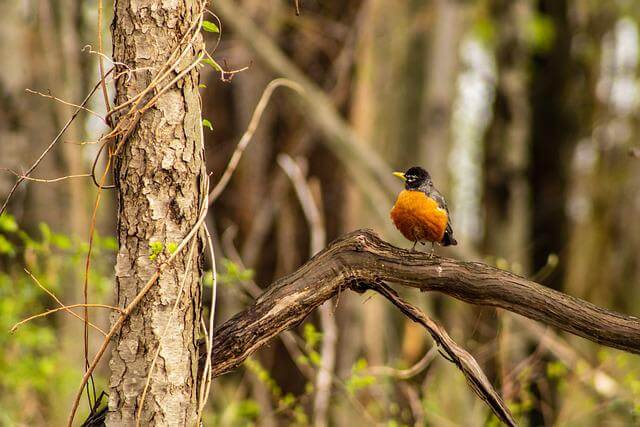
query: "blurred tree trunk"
160, 176
506, 187
442, 64
14, 104
507, 190
60, 33
604, 244
559, 84
562, 101
28, 122
41, 49
381, 115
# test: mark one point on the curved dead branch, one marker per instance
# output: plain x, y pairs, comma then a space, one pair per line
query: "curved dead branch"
361, 260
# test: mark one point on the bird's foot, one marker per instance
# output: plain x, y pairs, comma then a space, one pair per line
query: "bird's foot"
432, 252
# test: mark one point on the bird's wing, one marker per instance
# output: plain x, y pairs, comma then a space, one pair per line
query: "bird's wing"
442, 203
439, 198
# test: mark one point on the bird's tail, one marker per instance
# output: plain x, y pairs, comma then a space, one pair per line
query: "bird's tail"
448, 239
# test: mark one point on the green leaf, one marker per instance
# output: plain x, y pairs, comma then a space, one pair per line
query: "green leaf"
6, 248
359, 382
311, 335
156, 249
172, 247
556, 370
212, 63
288, 400
8, 223
45, 231
315, 358
484, 29
210, 27
540, 32
248, 409
207, 279
202, 86
61, 241
206, 123
110, 243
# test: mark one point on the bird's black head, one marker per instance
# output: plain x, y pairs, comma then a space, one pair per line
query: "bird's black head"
414, 177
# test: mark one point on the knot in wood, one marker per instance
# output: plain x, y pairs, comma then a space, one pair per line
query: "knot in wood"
359, 244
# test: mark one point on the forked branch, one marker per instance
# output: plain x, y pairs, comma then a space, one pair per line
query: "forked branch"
361, 260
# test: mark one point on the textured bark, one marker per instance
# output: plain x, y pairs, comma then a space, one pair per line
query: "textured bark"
159, 175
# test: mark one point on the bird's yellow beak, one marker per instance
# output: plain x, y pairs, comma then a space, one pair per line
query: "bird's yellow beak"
400, 175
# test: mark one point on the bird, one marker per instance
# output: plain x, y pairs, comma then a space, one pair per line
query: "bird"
420, 211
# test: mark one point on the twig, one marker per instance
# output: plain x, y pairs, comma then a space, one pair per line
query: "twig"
50, 147
62, 101
248, 134
105, 94
311, 211
65, 308
219, 24
167, 68
225, 75
94, 164
596, 378
55, 298
89, 49
62, 178
414, 403
405, 374
476, 378
87, 264
206, 383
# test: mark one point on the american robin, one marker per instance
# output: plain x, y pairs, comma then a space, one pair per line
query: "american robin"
420, 212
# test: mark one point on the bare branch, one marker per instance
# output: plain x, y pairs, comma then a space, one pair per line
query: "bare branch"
474, 375
56, 299
405, 374
45, 180
62, 101
66, 308
248, 134
361, 260
49, 147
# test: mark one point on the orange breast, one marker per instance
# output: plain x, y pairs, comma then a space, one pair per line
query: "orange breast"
418, 217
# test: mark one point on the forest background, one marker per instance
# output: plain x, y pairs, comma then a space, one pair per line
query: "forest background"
525, 113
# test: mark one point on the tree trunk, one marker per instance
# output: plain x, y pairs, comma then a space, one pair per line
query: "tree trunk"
159, 174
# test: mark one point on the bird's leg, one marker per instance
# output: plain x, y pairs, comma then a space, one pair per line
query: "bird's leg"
433, 250
413, 248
